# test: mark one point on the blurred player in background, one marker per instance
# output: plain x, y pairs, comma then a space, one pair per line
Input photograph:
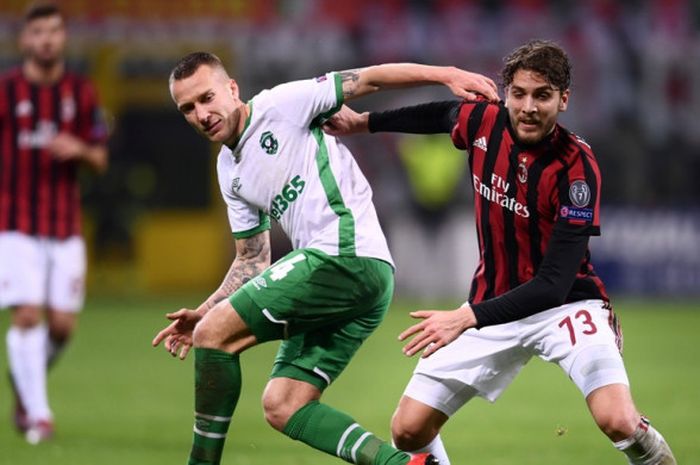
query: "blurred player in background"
50, 125
534, 293
325, 297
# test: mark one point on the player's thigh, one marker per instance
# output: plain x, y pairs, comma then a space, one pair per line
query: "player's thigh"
323, 306
319, 356
66, 284
584, 339
479, 362
23, 270
308, 289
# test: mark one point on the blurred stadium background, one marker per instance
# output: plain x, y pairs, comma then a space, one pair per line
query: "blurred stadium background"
156, 226
636, 99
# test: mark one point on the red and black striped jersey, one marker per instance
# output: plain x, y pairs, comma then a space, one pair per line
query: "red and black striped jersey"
39, 195
521, 193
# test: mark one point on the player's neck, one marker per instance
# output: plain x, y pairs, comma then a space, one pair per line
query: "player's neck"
243, 116
43, 75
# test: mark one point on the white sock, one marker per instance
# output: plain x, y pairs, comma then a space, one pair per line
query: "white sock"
646, 447
26, 349
435, 447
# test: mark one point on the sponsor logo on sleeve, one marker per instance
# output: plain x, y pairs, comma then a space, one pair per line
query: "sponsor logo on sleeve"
576, 213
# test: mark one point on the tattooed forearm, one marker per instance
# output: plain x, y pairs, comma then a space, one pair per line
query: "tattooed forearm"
252, 257
350, 79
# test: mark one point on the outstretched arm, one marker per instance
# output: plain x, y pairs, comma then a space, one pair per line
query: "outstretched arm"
252, 257
464, 84
547, 289
428, 118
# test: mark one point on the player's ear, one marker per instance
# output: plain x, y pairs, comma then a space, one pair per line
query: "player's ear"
233, 85
564, 101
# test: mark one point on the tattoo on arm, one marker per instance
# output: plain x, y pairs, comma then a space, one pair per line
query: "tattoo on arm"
350, 80
252, 257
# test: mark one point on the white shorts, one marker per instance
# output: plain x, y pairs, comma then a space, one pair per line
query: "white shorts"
42, 271
583, 338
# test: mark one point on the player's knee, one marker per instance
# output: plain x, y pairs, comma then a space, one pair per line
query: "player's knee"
618, 424
61, 329
277, 411
207, 336
26, 317
410, 435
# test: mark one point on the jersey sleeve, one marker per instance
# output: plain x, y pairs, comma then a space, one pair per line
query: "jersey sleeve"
577, 199
469, 119
245, 219
310, 100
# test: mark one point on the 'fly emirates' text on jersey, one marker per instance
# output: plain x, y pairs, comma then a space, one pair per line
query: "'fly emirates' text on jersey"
286, 167
523, 192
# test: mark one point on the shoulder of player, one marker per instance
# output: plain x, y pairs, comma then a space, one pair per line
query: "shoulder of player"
481, 109
574, 145
11, 74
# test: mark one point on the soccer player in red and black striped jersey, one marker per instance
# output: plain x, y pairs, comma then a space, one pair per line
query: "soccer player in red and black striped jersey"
50, 124
534, 293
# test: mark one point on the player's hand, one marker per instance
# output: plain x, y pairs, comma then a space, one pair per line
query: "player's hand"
467, 85
346, 121
178, 334
66, 146
437, 329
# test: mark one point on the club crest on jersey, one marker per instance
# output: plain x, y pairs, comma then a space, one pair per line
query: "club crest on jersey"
522, 170
268, 143
579, 193
24, 108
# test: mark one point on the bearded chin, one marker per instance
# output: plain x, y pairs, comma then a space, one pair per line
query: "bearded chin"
46, 62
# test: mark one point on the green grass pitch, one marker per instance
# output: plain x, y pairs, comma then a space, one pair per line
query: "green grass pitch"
118, 401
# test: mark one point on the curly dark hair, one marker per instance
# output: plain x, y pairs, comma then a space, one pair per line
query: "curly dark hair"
40, 9
542, 56
189, 64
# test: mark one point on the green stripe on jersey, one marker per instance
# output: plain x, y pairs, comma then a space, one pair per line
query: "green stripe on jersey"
346, 233
263, 225
339, 98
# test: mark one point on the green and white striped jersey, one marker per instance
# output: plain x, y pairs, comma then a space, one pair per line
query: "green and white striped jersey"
286, 167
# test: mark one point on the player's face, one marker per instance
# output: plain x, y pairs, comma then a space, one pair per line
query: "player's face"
533, 105
209, 102
43, 40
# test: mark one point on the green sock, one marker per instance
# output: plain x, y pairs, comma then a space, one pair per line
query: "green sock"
217, 381
326, 429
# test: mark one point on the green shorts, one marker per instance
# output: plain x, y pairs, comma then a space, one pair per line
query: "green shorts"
322, 306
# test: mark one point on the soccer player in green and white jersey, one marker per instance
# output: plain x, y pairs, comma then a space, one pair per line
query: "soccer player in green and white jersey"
324, 298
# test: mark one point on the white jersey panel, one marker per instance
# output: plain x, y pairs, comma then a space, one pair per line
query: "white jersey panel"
286, 167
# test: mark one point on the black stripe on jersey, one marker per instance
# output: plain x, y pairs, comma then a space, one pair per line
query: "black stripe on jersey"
13, 168
35, 157
533, 181
591, 179
510, 238
78, 128
474, 122
54, 166
492, 155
